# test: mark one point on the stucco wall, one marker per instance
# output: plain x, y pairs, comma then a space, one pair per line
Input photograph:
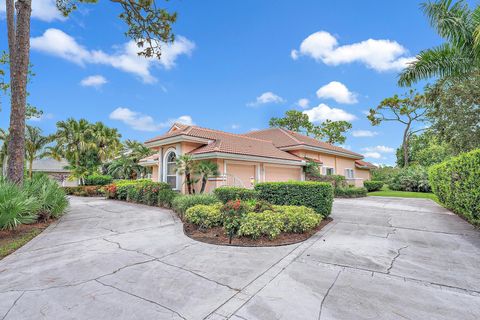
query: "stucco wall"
155, 173
282, 173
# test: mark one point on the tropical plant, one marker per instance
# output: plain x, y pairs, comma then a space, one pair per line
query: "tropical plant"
206, 169
407, 110
187, 166
459, 26
50, 197
124, 167
16, 206
3, 149
34, 145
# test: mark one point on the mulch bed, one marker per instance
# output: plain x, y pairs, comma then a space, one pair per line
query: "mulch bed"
217, 236
23, 233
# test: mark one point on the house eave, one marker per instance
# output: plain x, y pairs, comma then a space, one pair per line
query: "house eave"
176, 139
233, 156
322, 150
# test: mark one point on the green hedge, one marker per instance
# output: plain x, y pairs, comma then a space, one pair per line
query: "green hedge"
413, 178
84, 191
98, 180
181, 203
350, 192
142, 191
338, 181
373, 185
456, 183
316, 195
226, 194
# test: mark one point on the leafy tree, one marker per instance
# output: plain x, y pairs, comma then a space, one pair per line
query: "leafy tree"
460, 27
148, 26
297, 121
125, 167
407, 110
187, 166
455, 112
34, 145
206, 169
424, 149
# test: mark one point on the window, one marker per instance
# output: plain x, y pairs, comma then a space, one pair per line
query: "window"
329, 171
171, 169
349, 174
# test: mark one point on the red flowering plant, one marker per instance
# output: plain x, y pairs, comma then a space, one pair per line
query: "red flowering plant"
110, 191
233, 212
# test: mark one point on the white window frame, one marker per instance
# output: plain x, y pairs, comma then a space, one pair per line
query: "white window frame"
165, 168
346, 173
325, 168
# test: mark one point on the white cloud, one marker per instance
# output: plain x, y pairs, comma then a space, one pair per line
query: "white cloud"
373, 155
95, 81
381, 149
337, 91
303, 103
364, 133
323, 112
142, 122
44, 10
380, 55
45, 116
57, 43
235, 126
265, 98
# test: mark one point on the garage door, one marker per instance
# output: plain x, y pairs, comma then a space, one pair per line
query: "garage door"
273, 174
243, 173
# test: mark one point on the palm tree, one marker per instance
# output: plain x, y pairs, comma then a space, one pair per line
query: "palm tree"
107, 141
206, 169
3, 149
125, 168
73, 139
459, 55
186, 165
136, 150
34, 143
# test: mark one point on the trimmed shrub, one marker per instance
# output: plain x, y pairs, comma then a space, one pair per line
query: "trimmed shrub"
456, 183
413, 178
232, 212
225, 194
165, 197
205, 216
181, 203
350, 192
316, 195
98, 180
266, 223
336, 180
373, 185
297, 219
84, 191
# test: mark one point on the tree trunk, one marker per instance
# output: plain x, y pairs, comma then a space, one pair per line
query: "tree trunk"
405, 146
204, 183
18, 80
189, 186
30, 167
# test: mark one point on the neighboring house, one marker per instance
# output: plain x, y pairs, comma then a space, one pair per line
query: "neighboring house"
243, 159
56, 170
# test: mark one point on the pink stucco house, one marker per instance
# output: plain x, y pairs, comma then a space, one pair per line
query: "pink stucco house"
266, 155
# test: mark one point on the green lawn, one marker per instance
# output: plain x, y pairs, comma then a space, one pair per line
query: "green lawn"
15, 241
385, 192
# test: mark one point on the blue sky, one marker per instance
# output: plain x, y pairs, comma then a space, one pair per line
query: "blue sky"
234, 65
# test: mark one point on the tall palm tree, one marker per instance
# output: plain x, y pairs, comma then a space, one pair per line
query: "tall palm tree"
136, 150
125, 168
107, 141
73, 139
459, 55
206, 169
186, 165
34, 143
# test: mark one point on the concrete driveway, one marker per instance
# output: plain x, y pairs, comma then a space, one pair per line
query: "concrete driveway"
381, 258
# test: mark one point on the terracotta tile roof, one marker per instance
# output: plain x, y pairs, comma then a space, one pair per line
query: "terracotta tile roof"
225, 142
282, 138
153, 157
365, 164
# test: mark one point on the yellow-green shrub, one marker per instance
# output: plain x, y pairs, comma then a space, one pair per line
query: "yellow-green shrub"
297, 219
267, 223
204, 216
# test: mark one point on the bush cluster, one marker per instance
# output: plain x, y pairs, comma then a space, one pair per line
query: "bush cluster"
181, 203
414, 178
337, 181
225, 194
40, 198
316, 195
456, 183
236, 219
84, 191
98, 180
142, 191
351, 192
373, 185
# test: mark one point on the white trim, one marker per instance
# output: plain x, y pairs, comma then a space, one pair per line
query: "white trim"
222, 155
353, 173
167, 153
322, 150
176, 139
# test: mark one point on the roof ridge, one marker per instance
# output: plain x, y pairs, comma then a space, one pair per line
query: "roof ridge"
229, 133
289, 133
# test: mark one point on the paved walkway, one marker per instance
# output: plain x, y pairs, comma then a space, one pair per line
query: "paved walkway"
381, 258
